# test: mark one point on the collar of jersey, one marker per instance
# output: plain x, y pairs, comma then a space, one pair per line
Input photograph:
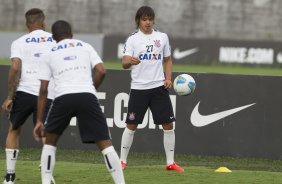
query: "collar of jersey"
140, 32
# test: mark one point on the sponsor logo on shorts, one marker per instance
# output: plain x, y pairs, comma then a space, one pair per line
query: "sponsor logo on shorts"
131, 116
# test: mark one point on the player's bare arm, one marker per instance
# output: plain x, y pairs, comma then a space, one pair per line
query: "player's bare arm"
99, 74
38, 130
168, 72
13, 81
127, 61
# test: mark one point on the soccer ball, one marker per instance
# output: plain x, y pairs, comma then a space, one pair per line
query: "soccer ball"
184, 84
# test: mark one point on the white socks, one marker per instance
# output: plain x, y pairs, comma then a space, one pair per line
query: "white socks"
169, 144
11, 159
110, 156
47, 163
113, 165
126, 142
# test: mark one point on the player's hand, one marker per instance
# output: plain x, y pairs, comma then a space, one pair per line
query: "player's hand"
134, 61
38, 131
167, 84
6, 106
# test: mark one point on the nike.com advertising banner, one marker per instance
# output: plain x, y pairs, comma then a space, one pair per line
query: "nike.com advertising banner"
228, 115
219, 52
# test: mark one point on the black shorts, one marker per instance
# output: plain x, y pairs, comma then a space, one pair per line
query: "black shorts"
25, 104
86, 108
157, 99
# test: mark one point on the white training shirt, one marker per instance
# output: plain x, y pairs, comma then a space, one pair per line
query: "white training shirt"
150, 49
30, 49
70, 64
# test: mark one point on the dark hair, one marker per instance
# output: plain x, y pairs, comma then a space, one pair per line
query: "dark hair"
61, 29
142, 12
34, 15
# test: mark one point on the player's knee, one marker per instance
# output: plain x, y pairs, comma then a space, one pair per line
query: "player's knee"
14, 131
131, 127
103, 144
168, 126
51, 139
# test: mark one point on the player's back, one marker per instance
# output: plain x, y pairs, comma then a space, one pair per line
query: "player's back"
30, 48
71, 64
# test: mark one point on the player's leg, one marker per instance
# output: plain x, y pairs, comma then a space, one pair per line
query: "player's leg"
169, 142
162, 111
126, 142
137, 106
20, 111
48, 158
45, 115
111, 160
169, 146
12, 150
58, 120
93, 129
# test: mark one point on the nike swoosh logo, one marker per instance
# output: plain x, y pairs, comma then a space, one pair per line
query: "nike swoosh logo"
177, 54
199, 120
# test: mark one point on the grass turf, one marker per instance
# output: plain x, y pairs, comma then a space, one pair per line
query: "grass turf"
77, 166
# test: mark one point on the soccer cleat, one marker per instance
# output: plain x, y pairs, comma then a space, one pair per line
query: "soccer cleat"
9, 178
174, 167
123, 165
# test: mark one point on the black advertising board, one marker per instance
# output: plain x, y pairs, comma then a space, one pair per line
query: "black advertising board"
228, 115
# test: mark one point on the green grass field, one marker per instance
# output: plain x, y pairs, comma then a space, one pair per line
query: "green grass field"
74, 166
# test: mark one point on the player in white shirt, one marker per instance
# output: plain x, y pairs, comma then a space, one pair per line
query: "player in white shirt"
146, 51
23, 85
77, 71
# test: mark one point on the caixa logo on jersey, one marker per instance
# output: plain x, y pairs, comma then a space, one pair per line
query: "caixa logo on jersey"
38, 40
67, 45
118, 115
148, 56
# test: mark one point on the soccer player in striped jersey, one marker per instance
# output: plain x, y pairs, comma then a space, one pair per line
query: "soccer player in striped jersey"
147, 53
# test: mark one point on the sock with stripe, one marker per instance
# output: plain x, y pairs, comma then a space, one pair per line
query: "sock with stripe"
11, 159
113, 164
47, 163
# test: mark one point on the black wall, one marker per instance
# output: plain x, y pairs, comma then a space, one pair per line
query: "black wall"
252, 132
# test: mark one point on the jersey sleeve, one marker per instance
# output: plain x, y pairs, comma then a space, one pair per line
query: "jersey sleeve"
16, 50
128, 47
167, 51
45, 72
94, 57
